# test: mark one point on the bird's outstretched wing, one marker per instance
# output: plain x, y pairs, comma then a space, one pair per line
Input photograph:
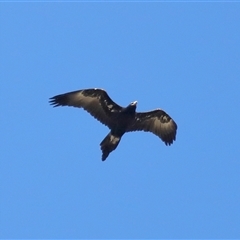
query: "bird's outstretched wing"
157, 122
95, 101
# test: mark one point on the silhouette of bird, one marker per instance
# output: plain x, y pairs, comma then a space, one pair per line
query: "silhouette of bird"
118, 119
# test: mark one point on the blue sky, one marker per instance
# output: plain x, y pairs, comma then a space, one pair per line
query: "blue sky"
181, 57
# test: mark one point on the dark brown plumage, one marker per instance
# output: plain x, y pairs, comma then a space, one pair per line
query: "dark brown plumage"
120, 120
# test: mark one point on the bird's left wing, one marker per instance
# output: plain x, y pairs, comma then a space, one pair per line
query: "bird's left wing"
95, 101
157, 122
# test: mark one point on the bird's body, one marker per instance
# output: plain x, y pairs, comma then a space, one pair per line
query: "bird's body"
120, 120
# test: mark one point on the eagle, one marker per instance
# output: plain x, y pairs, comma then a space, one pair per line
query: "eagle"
119, 120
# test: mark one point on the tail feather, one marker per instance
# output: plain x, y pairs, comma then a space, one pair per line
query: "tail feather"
108, 144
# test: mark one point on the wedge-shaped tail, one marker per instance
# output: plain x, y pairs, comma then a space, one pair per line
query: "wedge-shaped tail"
108, 144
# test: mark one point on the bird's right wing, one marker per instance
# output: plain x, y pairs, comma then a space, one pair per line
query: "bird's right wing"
95, 101
157, 122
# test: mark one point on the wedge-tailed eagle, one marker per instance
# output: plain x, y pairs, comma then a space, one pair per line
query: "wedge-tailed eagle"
119, 119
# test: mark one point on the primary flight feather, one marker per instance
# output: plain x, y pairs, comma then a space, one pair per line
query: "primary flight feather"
119, 119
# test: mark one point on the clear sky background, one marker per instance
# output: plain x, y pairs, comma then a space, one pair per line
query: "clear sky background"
181, 57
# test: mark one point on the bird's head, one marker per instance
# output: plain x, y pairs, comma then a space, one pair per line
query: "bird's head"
133, 103
131, 107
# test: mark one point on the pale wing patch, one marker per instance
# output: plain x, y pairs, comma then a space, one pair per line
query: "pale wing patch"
95, 101
157, 122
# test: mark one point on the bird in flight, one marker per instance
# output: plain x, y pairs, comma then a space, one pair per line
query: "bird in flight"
118, 119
